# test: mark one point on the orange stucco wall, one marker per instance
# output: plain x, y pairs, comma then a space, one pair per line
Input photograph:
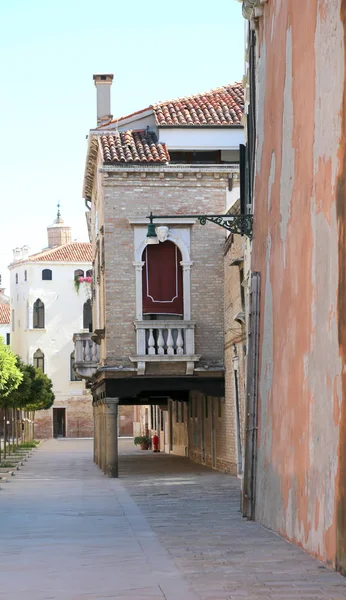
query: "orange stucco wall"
296, 248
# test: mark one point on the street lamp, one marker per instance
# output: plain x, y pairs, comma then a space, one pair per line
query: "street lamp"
241, 224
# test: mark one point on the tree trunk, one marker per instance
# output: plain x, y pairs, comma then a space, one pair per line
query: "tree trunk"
5, 433
16, 425
12, 428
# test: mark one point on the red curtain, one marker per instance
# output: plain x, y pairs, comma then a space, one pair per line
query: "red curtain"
162, 280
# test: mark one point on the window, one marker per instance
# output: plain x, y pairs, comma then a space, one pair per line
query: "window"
47, 275
38, 314
7, 339
87, 315
16, 277
73, 374
39, 360
242, 291
13, 317
25, 276
197, 157
89, 273
162, 280
79, 273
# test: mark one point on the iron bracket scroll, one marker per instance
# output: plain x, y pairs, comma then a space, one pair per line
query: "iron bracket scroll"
236, 224
241, 224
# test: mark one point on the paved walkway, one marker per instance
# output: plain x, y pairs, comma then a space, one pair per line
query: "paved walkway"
168, 529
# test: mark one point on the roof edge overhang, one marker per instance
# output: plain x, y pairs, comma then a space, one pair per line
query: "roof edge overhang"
168, 168
19, 263
90, 165
207, 126
144, 112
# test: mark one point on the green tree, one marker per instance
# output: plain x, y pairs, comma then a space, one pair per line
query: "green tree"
42, 396
10, 379
10, 375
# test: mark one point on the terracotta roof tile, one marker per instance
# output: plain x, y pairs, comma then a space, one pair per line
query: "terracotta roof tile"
72, 252
222, 106
4, 314
133, 146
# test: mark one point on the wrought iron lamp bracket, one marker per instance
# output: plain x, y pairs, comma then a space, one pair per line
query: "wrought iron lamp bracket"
240, 224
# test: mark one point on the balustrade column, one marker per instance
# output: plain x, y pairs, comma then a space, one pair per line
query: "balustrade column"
187, 288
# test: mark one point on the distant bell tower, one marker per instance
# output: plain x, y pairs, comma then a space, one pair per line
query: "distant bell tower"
59, 233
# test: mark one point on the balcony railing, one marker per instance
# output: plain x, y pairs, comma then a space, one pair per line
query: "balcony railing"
86, 355
165, 341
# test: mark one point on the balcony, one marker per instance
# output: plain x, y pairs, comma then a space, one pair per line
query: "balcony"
86, 355
165, 341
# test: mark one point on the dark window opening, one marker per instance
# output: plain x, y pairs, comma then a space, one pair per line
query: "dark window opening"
79, 273
89, 273
7, 339
206, 407
47, 275
182, 416
196, 157
87, 315
39, 360
25, 276
38, 314
16, 277
242, 291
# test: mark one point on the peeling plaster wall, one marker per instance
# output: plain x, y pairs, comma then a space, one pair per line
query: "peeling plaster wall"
296, 248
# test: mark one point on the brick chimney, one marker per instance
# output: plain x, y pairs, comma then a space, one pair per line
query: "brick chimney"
103, 91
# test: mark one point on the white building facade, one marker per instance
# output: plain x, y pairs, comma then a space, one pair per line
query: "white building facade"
46, 310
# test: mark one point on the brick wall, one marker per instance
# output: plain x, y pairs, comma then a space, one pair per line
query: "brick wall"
235, 347
126, 417
131, 194
79, 418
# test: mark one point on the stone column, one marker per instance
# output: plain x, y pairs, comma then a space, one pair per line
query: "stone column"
102, 436
111, 437
95, 441
99, 434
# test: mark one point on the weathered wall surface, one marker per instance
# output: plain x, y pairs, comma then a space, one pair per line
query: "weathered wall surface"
300, 467
235, 344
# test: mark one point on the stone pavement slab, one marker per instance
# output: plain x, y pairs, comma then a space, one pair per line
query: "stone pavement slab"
167, 529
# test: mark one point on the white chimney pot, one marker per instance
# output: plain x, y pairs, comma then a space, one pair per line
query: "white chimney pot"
103, 83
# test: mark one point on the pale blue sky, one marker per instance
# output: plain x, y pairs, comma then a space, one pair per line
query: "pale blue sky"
48, 54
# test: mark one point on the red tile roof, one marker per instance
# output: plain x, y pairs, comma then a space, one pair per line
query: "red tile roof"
133, 146
222, 106
73, 252
4, 314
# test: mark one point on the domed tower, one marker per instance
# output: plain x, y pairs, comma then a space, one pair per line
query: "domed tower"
58, 232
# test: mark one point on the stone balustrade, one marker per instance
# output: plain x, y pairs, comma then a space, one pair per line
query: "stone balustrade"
165, 341
86, 355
